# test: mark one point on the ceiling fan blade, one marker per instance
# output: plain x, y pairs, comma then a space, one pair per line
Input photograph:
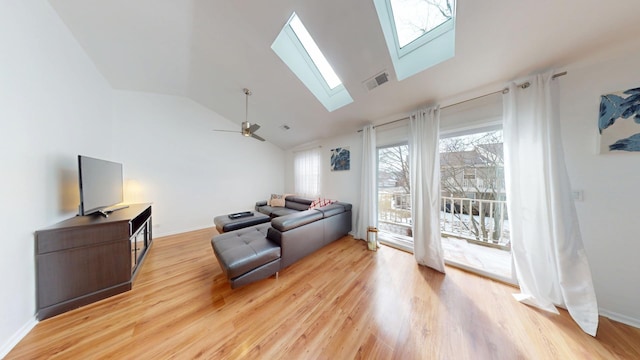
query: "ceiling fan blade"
254, 127
257, 137
232, 131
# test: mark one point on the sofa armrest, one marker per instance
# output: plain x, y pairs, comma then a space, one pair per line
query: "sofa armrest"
261, 203
299, 242
292, 221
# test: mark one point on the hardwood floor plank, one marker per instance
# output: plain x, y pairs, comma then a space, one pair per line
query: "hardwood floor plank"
341, 302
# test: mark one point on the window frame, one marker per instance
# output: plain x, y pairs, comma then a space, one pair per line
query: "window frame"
430, 49
420, 40
292, 52
398, 241
317, 155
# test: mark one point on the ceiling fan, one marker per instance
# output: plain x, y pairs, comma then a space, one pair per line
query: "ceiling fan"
247, 128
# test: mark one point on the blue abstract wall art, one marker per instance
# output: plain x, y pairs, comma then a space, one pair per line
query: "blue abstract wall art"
340, 159
619, 122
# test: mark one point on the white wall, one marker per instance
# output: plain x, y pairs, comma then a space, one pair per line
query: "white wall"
190, 173
337, 185
54, 105
609, 213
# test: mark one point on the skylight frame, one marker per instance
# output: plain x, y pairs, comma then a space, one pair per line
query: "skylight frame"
430, 49
316, 56
291, 51
428, 36
304, 54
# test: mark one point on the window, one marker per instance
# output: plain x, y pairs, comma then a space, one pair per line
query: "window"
416, 18
473, 215
419, 33
307, 172
473, 212
297, 49
394, 196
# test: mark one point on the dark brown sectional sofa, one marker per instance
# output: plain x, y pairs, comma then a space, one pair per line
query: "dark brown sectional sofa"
254, 253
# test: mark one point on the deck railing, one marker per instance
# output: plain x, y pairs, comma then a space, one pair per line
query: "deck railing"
478, 220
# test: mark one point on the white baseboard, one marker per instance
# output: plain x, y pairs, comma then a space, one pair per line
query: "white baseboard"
15, 339
158, 234
620, 318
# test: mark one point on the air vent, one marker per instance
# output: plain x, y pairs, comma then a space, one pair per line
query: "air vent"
377, 80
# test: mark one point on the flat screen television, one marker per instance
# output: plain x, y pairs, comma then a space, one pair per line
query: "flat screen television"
101, 185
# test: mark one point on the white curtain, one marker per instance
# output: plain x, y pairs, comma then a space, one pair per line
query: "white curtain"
424, 170
368, 209
307, 172
550, 261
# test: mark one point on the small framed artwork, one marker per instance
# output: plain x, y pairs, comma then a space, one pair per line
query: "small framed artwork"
340, 159
619, 121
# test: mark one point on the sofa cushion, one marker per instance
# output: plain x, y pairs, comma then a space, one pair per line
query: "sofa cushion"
276, 200
320, 203
243, 250
299, 200
225, 224
282, 211
296, 203
275, 211
296, 219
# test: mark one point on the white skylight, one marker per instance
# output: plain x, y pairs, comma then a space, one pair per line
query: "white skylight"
301, 54
419, 33
314, 52
414, 18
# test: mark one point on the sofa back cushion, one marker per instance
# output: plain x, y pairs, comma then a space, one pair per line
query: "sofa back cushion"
297, 203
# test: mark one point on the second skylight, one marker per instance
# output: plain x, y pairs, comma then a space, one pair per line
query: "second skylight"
414, 18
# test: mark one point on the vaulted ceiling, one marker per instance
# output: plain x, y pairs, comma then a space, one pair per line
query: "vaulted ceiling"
209, 50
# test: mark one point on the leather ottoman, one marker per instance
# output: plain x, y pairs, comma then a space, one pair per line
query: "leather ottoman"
225, 223
246, 255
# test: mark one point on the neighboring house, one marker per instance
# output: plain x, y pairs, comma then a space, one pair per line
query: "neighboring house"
474, 174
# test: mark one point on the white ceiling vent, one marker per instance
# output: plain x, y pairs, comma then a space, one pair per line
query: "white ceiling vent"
376, 81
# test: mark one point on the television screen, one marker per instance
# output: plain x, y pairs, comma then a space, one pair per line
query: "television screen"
100, 184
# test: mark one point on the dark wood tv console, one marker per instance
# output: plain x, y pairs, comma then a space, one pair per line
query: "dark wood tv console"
89, 258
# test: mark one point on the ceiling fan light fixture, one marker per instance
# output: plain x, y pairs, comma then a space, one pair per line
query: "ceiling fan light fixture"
247, 129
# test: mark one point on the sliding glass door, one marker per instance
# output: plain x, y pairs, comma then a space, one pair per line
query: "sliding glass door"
473, 218
394, 196
473, 212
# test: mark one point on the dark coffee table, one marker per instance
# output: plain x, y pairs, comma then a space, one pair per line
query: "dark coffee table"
226, 223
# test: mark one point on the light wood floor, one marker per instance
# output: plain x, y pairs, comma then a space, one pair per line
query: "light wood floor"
342, 302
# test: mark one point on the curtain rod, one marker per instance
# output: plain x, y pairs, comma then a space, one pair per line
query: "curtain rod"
504, 91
